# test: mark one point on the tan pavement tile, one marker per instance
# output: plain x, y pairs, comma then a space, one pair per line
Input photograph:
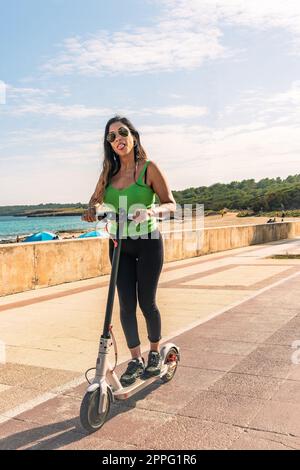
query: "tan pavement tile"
247, 385
279, 417
185, 433
223, 408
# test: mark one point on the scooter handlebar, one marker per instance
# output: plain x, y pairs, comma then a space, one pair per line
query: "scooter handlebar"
111, 215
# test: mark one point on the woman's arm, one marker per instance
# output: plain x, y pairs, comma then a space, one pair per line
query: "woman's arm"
90, 214
94, 201
160, 186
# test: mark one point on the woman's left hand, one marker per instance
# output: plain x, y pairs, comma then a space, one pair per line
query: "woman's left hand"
141, 215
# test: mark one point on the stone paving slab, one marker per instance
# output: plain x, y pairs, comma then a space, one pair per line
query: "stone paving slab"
278, 417
202, 408
236, 387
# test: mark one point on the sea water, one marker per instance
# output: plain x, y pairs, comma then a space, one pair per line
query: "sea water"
11, 226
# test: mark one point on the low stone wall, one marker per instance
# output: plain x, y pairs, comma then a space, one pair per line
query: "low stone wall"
26, 266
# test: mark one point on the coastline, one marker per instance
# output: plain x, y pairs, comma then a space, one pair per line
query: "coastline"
229, 218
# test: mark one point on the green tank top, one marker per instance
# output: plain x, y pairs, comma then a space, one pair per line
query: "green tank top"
136, 196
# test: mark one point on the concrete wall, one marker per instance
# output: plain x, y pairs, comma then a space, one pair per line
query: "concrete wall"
36, 265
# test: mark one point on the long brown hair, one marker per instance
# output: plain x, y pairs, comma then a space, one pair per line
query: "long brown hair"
111, 162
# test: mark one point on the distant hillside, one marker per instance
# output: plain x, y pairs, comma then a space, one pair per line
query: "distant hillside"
265, 195
45, 210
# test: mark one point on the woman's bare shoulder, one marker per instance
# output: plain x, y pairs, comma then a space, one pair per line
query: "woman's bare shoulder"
154, 174
154, 169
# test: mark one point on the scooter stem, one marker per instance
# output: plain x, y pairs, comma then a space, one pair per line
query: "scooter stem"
121, 217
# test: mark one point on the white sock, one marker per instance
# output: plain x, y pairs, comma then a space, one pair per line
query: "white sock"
140, 359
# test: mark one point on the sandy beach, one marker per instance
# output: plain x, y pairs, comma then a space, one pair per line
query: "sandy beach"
230, 218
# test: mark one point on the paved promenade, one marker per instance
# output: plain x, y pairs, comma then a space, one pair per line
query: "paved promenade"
235, 316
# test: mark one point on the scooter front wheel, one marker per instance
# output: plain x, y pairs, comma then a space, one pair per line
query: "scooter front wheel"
90, 418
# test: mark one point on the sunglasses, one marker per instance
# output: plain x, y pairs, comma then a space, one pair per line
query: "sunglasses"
122, 131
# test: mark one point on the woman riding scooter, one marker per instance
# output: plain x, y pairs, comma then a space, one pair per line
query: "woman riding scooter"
128, 175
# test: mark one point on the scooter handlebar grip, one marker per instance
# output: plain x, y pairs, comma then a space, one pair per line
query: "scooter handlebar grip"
105, 214
101, 216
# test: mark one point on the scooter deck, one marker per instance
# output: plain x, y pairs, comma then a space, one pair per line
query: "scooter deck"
139, 384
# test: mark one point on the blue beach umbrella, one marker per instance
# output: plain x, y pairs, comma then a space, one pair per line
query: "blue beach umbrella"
41, 236
94, 233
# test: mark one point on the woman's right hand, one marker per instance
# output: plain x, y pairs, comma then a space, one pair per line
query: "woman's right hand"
89, 215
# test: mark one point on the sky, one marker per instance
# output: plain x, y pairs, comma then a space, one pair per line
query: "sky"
213, 86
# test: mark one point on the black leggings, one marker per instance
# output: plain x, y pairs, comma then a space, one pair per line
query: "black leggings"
140, 265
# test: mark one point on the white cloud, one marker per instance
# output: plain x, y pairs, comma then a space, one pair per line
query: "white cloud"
187, 33
83, 112
271, 108
181, 111
172, 44
28, 93
261, 140
184, 111
189, 155
46, 155
38, 138
3, 89
256, 14
25, 101
291, 97
175, 96
264, 142
206, 157
60, 111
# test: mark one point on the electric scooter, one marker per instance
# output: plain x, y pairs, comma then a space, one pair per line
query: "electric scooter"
105, 388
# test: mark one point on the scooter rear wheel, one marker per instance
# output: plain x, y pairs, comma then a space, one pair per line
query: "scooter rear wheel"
90, 418
172, 361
